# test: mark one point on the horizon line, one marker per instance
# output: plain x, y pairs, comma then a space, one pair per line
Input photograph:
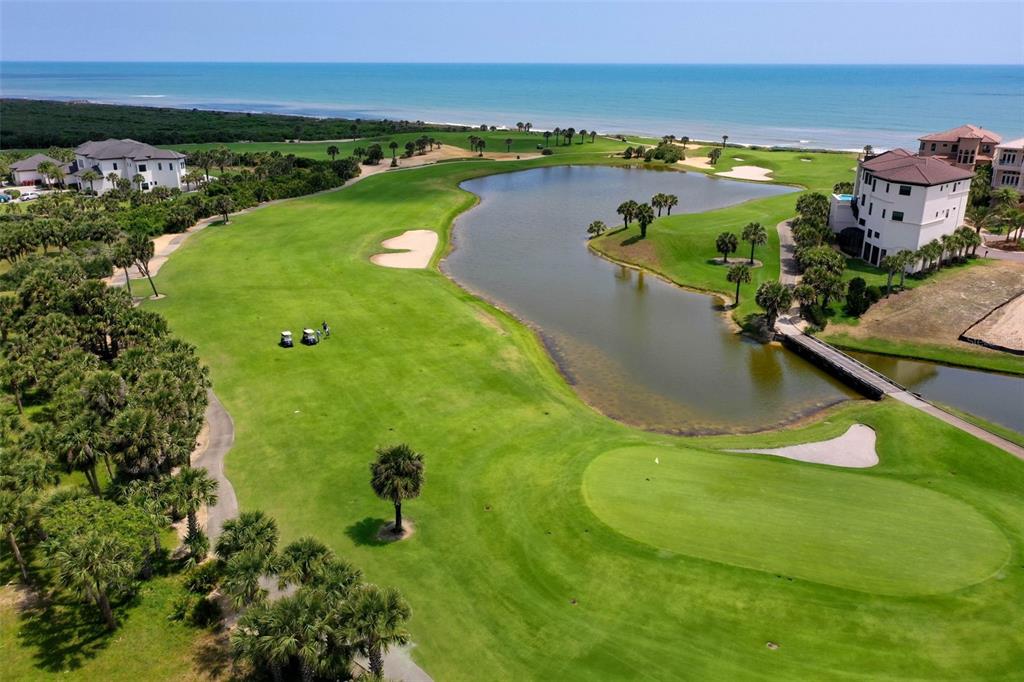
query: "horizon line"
498, 63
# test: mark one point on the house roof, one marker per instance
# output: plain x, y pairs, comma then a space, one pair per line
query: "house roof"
125, 149
968, 131
1013, 144
32, 162
899, 165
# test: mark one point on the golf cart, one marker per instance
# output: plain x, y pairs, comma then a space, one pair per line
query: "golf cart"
309, 337
286, 340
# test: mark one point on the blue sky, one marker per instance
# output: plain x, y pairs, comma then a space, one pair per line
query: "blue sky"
482, 31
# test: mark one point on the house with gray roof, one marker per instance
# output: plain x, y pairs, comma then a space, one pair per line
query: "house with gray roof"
900, 201
26, 171
128, 159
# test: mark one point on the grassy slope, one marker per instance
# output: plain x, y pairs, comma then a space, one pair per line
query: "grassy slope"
504, 538
681, 246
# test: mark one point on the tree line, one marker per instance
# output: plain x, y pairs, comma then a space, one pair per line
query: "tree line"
32, 124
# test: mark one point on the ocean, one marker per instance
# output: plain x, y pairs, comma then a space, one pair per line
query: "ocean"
839, 107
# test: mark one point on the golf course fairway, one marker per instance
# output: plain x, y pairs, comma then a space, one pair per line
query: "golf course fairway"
537, 553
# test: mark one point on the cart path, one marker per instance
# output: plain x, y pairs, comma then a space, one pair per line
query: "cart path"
398, 663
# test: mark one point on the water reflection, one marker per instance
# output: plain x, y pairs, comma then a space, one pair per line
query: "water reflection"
634, 346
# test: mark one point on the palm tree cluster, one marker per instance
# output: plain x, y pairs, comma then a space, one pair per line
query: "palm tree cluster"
477, 144
116, 398
643, 214
524, 127
314, 631
664, 201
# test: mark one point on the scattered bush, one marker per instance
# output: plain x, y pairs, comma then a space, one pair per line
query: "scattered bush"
13, 193
203, 578
547, 152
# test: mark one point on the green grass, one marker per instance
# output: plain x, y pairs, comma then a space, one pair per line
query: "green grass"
947, 355
680, 246
525, 143
510, 573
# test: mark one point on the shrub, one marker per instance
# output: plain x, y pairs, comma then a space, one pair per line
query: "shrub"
203, 578
182, 606
874, 293
205, 612
13, 193
98, 266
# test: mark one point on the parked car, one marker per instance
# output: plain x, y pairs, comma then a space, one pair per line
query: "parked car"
4, 198
29, 196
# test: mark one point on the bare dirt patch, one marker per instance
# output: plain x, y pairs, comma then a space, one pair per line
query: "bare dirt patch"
736, 261
938, 312
1003, 328
387, 531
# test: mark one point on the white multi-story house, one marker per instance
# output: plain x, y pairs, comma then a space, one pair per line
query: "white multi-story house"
900, 201
127, 159
1008, 165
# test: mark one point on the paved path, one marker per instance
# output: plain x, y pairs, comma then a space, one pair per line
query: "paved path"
398, 663
791, 324
989, 251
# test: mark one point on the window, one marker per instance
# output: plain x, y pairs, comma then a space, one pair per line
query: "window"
867, 177
933, 146
142, 168
182, 165
897, 216
883, 212
861, 222
954, 148
947, 212
1010, 179
1008, 158
115, 165
863, 198
159, 166
904, 190
887, 188
965, 156
871, 206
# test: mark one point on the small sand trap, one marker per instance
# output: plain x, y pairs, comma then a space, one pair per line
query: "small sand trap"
854, 449
701, 162
417, 247
748, 173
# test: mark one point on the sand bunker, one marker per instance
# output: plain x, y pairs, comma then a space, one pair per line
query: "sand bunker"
1002, 329
701, 162
854, 449
417, 247
748, 173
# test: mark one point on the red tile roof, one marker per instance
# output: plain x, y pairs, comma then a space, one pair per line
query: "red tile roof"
899, 165
967, 131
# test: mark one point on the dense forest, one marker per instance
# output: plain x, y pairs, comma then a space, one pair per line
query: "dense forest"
36, 123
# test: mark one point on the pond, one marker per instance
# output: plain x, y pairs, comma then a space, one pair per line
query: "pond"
634, 346
996, 397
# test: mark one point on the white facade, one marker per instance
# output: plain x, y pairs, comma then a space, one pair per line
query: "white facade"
895, 207
25, 171
1008, 165
126, 159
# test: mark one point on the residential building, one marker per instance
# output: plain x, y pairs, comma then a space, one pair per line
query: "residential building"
900, 201
964, 146
128, 159
1008, 165
26, 171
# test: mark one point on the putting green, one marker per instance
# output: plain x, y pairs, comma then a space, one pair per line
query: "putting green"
848, 530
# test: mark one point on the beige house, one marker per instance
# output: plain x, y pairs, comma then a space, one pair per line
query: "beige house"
964, 146
1008, 165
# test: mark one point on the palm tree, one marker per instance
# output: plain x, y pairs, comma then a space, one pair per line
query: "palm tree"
569, 133
508, 144
593, 136
90, 176
596, 228
644, 217
890, 264
396, 475
670, 201
756, 235
14, 511
868, 150
243, 574
77, 441
252, 531
122, 257
547, 136
332, 151
725, 138
773, 297
142, 250
375, 621
95, 564
740, 274
908, 258
519, 126
527, 126
557, 132
685, 139
627, 209
393, 146
302, 561
224, 205
583, 135
658, 202
726, 243
112, 178
137, 180
47, 169
714, 155
190, 490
